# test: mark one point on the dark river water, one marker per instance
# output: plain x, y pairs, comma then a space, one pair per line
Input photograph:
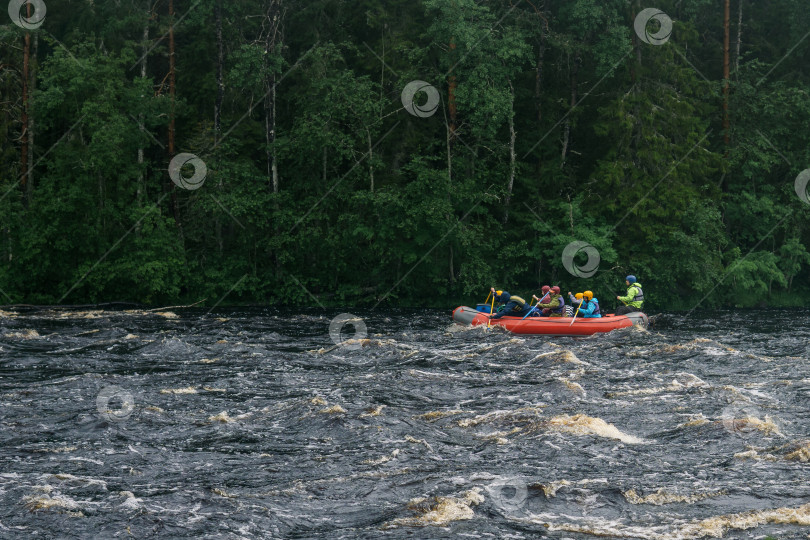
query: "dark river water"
259, 424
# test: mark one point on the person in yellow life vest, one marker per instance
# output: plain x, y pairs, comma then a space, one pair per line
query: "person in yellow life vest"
513, 305
634, 299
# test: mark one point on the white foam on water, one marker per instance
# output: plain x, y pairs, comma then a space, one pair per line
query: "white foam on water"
581, 424
97, 462
439, 511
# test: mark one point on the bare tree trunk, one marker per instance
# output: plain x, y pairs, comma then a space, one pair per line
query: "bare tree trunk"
538, 90
452, 270
272, 37
538, 85
271, 41
144, 46
451, 97
726, 31
29, 193
571, 215
449, 146
175, 208
24, 119
634, 37
370, 159
567, 129
102, 221
171, 77
220, 83
382, 73
739, 39
512, 156
451, 135
379, 114
218, 108
449, 155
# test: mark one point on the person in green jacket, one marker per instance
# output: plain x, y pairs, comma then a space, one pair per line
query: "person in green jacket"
554, 306
634, 299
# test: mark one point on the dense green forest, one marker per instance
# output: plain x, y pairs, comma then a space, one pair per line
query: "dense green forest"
276, 151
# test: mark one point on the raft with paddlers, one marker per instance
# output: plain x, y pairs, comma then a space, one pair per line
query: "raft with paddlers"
550, 326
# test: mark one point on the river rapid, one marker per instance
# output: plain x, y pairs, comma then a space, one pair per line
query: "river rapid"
256, 423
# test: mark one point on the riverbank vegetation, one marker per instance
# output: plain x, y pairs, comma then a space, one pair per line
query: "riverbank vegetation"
556, 122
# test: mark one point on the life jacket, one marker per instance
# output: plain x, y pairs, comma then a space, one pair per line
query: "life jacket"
562, 305
638, 299
521, 303
595, 302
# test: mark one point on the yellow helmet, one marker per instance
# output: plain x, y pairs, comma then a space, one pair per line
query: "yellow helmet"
578, 296
498, 293
588, 295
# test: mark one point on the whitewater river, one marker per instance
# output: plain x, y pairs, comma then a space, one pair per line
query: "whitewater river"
255, 424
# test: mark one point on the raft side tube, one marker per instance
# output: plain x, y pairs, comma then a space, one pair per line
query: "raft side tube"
639, 319
464, 315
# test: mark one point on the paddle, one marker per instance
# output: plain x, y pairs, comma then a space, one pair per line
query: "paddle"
491, 309
538, 303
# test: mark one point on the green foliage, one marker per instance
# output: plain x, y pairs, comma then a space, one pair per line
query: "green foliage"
377, 205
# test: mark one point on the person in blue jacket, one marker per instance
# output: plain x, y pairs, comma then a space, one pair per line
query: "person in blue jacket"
590, 306
515, 306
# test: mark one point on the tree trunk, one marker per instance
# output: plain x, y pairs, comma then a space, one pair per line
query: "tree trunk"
220, 83
571, 214
144, 46
512, 157
567, 129
538, 87
24, 119
449, 146
101, 198
382, 73
171, 77
273, 19
726, 30
636, 47
29, 192
218, 108
451, 98
739, 39
370, 158
175, 208
452, 271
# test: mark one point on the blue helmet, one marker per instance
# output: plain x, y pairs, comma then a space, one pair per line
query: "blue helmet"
631, 279
504, 297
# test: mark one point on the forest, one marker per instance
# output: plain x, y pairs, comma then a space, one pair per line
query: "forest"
404, 152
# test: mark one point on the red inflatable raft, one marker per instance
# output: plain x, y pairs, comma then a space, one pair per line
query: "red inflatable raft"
551, 326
